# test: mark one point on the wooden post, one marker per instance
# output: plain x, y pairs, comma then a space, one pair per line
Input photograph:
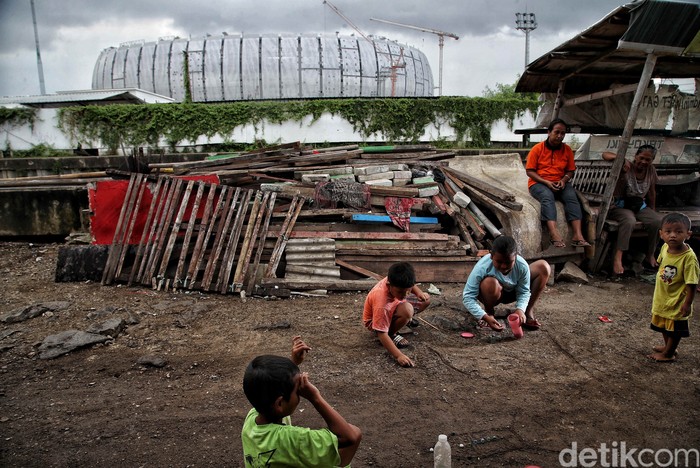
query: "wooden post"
625, 139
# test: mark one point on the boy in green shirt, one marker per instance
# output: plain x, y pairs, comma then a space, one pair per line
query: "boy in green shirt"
274, 385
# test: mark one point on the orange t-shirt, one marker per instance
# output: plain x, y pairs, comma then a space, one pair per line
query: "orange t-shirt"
550, 164
380, 306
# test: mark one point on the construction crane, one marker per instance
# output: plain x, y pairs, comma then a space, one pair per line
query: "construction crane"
441, 41
399, 63
347, 20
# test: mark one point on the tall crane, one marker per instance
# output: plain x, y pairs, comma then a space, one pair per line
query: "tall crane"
398, 63
347, 20
441, 41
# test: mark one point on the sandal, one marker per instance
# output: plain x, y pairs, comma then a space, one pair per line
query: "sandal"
559, 244
400, 341
532, 324
580, 243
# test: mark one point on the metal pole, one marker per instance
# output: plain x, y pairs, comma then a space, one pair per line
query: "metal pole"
441, 43
527, 47
526, 22
38, 53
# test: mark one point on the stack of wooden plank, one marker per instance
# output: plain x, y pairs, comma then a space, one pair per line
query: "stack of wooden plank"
218, 237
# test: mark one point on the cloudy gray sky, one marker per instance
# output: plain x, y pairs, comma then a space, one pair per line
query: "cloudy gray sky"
490, 50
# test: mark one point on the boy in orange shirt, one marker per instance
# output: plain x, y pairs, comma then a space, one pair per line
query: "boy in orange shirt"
390, 305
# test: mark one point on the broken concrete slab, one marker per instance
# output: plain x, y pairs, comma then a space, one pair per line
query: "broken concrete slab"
29, 312
62, 343
572, 273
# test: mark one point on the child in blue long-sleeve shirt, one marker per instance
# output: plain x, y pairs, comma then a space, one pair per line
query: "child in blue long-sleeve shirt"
502, 277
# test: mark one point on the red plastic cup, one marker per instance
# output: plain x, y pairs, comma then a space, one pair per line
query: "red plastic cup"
514, 322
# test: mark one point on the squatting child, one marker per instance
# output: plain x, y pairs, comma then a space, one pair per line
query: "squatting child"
675, 286
390, 306
274, 385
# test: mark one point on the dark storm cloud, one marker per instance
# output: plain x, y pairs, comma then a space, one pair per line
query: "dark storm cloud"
461, 17
72, 33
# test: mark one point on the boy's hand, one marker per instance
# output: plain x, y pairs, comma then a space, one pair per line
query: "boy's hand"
307, 390
685, 310
299, 350
404, 361
493, 323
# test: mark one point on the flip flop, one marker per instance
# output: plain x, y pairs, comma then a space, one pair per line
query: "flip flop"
580, 243
559, 244
400, 341
532, 324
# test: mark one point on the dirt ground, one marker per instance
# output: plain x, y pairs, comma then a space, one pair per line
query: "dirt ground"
502, 402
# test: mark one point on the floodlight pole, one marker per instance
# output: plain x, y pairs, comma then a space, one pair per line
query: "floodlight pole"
526, 22
38, 53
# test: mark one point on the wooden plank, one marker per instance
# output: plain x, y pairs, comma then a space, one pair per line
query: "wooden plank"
205, 228
133, 215
117, 237
177, 281
339, 285
405, 192
146, 231
221, 233
483, 195
389, 252
254, 222
428, 269
174, 232
284, 236
373, 218
477, 231
357, 269
161, 203
478, 183
261, 244
428, 236
163, 231
464, 232
232, 244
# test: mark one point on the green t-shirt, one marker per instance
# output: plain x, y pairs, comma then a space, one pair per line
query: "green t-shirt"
284, 445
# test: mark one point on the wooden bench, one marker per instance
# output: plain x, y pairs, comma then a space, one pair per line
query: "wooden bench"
591, 180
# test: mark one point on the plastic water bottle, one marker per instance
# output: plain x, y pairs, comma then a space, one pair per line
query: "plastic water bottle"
442, 453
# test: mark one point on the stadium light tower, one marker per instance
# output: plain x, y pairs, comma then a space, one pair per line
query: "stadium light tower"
526, 22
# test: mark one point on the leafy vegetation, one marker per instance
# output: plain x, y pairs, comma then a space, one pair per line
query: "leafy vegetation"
17, 116
40, 151
398, 120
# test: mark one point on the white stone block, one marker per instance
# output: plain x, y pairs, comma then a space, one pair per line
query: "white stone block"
382, 182
376, 176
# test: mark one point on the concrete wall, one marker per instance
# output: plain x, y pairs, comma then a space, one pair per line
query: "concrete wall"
42, 211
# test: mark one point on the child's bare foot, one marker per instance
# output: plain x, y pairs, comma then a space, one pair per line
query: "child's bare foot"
661, 357
660, 349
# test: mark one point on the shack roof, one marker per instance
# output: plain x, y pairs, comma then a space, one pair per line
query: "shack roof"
614, 50
87, 97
